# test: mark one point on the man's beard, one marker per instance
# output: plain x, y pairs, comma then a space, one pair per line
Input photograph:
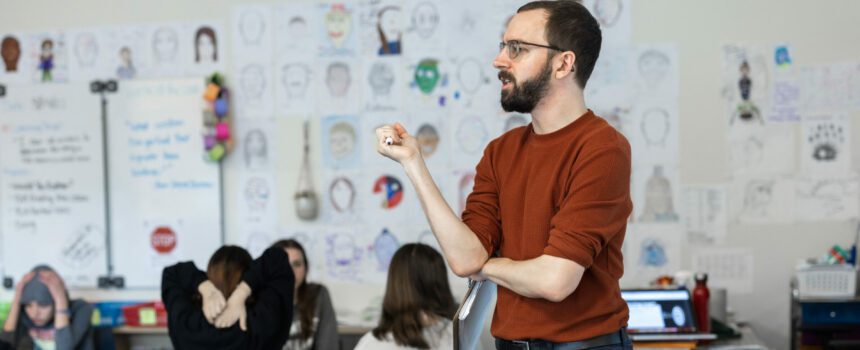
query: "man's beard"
523, 99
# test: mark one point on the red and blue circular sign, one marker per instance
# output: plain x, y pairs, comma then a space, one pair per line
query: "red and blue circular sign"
391, 188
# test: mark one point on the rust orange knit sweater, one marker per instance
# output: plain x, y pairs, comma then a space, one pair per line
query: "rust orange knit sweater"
565, 194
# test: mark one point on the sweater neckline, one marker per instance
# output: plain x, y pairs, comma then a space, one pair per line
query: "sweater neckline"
560, 134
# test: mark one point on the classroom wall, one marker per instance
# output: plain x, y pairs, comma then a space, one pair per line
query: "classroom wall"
818, 31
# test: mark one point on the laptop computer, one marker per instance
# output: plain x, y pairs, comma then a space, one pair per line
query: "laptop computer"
662, 315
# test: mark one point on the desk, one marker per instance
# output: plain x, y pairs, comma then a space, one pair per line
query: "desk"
747, 341
147, 337
156, 337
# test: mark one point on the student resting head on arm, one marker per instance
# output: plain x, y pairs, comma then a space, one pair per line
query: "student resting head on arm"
418, 306
238, 303
50, 319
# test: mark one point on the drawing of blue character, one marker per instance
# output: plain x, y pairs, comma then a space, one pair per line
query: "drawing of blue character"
46, 59
385, 246
653, 254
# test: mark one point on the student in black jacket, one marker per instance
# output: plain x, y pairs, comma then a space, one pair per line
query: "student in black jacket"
237, 304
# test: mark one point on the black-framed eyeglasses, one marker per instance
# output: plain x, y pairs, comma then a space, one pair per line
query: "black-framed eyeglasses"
515, 47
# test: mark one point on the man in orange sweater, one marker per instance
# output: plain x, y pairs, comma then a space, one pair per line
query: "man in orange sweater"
551, 198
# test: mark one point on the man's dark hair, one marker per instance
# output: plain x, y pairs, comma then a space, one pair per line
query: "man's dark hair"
570, 26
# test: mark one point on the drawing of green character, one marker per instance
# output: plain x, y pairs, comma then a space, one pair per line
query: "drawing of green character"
427, 75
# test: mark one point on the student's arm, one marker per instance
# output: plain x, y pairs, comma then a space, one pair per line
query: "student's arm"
326, 337
11, 323
178, 284
271, 280
79, 331
594, 210
462, 249
58, 293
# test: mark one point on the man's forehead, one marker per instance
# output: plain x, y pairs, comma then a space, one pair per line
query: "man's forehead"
527, 26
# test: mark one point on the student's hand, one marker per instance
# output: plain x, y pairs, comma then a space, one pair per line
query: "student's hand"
56, 287
24, 279
213, 301
404, 147
235, 309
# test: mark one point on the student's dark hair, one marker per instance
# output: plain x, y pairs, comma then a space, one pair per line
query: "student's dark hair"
226, 268
417, 283
306, 297
570, 26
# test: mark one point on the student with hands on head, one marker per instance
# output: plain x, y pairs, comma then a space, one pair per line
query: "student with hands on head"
238, 303
551, 198
50, 319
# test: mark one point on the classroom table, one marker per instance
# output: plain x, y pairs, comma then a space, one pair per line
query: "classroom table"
156, 338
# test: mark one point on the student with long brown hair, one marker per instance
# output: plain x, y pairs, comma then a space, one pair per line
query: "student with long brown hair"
418, 306
314, 321
238, 303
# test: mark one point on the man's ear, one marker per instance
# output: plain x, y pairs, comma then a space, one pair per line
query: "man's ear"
566, 66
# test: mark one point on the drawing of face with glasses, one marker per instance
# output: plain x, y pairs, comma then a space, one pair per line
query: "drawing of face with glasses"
523, 96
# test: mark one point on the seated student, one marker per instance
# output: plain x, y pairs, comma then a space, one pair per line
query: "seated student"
203, 309
314, 321
418, 306
50, 319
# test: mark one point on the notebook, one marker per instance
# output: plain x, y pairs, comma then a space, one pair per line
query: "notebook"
477, 305
662, 315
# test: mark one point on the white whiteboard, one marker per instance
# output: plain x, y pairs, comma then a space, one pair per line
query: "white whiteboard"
52, 196
159, 180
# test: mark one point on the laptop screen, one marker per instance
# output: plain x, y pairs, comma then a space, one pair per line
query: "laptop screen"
659, 311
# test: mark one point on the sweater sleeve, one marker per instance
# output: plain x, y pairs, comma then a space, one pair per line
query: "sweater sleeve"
326, 337
178, 284
482, 214
8, 337
271, 280
596, 206
78, 334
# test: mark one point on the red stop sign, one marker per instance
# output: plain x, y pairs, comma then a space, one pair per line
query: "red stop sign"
163, 240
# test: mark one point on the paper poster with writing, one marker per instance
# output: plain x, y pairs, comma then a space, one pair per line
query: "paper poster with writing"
52, 193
